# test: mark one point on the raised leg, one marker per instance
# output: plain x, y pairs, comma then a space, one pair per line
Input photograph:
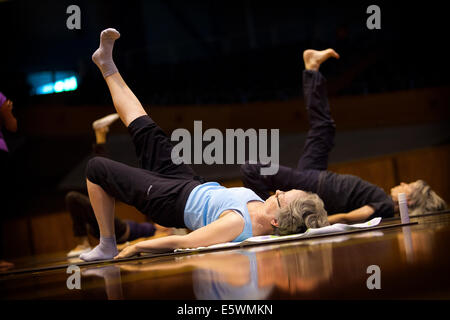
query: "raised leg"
127, 105
129, 108
101, 127
113, 180
320, 137
319, 140
314, 58
152, 145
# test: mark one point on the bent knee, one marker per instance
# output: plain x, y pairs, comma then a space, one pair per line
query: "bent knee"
251, 174
96, 169
250, 170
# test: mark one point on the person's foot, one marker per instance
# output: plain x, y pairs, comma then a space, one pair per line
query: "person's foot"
313, 58
105, 122
106, 249
101, 127
102, 57
78, 250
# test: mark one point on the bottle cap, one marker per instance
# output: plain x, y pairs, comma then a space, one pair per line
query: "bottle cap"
401, 197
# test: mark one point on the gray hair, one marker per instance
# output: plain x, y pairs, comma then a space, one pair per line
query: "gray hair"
302, 213
424, 199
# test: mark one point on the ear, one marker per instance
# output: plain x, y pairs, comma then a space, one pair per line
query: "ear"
274, 222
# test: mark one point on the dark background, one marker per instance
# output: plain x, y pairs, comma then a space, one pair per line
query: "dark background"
193, 52
200, 52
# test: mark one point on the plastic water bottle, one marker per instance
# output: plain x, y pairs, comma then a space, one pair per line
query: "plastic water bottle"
403, 207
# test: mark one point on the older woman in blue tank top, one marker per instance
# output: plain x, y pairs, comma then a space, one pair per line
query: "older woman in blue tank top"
172, 195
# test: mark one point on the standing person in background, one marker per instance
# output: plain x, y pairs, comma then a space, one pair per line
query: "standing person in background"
7, 122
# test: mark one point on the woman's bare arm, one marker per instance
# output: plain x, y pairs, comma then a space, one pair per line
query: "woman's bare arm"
358, 215
222, 230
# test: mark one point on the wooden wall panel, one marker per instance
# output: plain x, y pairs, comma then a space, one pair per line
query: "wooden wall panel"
350, 112
16, 238
52, 233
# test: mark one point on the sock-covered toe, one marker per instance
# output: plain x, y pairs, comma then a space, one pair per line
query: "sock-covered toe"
106, 250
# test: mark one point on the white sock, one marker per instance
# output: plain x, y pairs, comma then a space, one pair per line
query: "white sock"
102, 57
106, 249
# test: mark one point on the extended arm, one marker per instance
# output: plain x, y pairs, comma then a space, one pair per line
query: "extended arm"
222, 230
355, 216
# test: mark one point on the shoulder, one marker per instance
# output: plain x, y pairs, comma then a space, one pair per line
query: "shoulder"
232, 215
229, 222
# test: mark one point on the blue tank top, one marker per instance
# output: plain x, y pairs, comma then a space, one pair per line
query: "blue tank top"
208, 200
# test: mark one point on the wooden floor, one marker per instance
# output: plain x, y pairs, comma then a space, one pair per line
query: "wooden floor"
413, 262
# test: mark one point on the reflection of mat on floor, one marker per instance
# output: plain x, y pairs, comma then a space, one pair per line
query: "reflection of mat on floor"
273, 240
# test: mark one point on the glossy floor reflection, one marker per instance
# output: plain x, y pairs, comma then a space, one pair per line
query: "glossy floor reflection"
413, 263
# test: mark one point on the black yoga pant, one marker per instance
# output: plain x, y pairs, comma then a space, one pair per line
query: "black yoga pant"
159, 188
314, 158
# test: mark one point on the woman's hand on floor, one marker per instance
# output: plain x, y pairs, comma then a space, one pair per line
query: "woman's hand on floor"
127, 252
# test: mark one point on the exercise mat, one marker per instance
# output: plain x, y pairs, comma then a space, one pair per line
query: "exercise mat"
311, 232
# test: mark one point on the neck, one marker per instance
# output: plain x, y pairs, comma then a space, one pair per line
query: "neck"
260, 225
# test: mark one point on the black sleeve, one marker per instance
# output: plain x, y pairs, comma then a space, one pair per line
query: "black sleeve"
383, 209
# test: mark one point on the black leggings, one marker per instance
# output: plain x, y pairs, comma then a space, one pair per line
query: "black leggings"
159, 188
319, 142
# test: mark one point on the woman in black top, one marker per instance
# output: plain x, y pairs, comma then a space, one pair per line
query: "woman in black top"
347, 198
